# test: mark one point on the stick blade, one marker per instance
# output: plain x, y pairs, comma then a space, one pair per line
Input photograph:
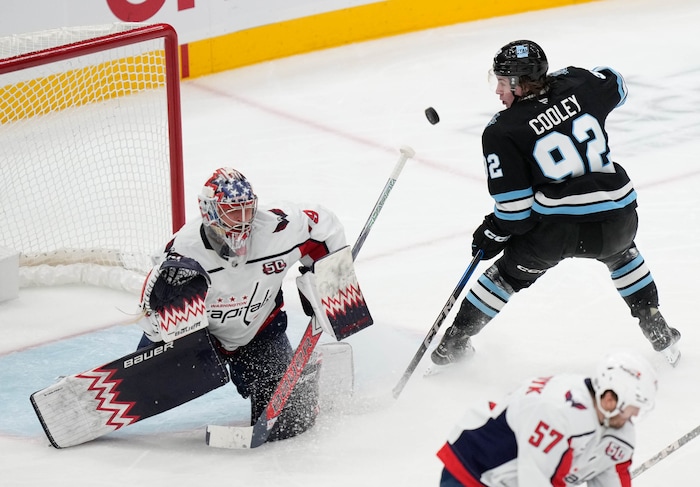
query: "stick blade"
407, 151
232, 437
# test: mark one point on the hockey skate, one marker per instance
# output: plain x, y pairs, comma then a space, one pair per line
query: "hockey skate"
454, 347
663, 338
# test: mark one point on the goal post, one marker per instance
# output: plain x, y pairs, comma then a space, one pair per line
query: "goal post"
91, 158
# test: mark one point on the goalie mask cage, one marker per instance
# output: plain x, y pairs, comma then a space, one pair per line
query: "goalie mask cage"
91, 157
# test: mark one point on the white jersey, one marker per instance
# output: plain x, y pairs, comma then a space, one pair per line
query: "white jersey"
544, 434
241, 298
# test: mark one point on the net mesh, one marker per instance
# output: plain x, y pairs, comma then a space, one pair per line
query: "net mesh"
85, 162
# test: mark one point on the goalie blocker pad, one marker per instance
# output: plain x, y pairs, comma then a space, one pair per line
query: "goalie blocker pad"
333, 293
152, 380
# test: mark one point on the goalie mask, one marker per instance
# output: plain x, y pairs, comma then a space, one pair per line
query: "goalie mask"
631, 378
228, 206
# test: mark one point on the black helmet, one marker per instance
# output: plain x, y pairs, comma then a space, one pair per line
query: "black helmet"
521, 58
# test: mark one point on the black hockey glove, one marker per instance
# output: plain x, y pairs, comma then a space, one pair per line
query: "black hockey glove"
489, 238
178, 279
305, 304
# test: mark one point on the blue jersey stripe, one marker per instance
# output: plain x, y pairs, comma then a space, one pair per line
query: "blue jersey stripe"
589, 209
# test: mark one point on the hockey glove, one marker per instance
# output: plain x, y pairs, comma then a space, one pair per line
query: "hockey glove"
178, 279
489, 238
173, 298
331, 293
305, 304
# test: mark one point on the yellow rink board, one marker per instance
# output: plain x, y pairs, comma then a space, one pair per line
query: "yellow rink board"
385, 18
122, 77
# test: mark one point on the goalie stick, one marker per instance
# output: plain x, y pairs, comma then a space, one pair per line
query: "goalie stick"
666, 451
438, 323
256, 435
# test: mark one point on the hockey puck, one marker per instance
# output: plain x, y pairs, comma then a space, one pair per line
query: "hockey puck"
432, 115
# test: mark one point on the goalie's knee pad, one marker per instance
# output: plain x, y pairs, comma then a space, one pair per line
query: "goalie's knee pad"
299, 414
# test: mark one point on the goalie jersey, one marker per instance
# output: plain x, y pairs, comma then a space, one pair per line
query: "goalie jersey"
242, 299
546, 433
547, 156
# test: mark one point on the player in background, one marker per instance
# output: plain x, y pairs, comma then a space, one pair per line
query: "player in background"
564, 429
558, 194
244, 252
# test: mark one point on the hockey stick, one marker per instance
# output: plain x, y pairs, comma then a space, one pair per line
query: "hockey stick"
666, 451
406, 154
256, 435
438, 322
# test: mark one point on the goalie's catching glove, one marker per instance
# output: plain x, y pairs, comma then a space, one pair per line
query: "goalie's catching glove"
173, 298
179, 279
489, 238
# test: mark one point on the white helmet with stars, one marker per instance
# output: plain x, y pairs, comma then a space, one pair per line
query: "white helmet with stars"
228, 205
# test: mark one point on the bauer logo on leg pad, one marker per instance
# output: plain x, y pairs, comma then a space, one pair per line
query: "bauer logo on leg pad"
152, 380
335, 296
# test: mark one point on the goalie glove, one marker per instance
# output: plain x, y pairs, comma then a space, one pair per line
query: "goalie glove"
173, 299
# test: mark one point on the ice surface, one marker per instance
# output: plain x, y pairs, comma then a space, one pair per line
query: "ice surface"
327, 127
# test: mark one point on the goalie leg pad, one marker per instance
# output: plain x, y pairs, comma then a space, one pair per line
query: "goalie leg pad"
152, 380
337, 376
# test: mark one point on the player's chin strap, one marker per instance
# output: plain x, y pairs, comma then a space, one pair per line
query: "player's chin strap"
513, 80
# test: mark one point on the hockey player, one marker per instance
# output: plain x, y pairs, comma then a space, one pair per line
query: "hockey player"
560, 430
557, 193
238, 255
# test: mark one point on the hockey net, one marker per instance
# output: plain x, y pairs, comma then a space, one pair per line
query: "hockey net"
91, 157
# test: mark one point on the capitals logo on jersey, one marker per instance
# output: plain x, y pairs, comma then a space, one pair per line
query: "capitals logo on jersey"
281, 218
574, 404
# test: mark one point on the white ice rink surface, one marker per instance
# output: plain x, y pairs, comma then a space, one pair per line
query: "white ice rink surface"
326, 127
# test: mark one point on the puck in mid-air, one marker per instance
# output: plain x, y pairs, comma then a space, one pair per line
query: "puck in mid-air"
432, 115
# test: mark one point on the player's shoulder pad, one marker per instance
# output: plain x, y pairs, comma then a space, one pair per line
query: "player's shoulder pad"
494, 119
559, 72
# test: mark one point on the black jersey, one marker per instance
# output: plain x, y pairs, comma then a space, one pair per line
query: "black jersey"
547, 156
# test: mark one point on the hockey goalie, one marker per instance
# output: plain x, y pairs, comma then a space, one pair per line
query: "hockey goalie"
213, 312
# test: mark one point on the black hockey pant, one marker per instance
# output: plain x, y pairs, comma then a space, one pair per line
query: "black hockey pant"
528, 257
257, 368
